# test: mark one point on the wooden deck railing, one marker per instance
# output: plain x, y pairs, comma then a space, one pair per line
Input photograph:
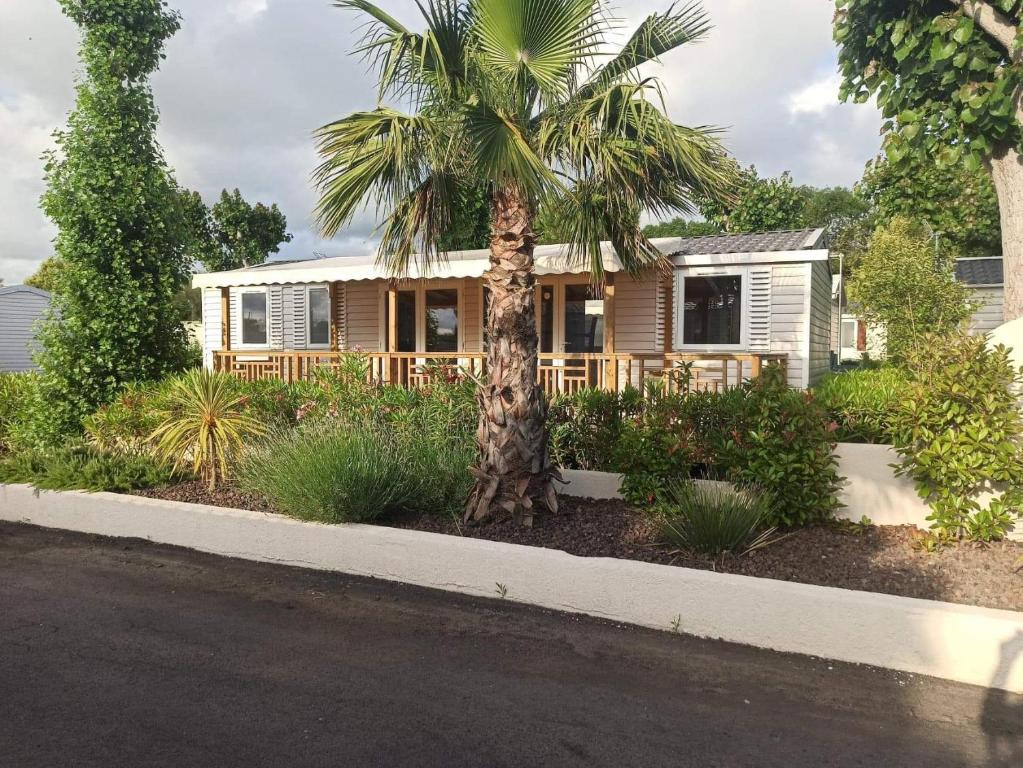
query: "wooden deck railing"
557, 373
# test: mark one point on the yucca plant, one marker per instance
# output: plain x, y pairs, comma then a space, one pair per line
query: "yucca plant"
711, 518
520, 101
204, 423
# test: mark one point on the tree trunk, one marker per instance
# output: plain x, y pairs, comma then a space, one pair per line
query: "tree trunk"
514, 468
1007, 173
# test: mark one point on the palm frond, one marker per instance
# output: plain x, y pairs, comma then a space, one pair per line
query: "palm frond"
416, 224
537, 45
410, 63
503, 152
593, 213
655, 36
378, 155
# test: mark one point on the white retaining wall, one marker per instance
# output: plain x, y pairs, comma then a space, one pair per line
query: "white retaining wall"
963, 643
870, 488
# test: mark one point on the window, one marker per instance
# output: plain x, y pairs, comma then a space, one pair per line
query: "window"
319, 317
584, 319
712, 310
405, 322
850, 333
253, 318
442, 320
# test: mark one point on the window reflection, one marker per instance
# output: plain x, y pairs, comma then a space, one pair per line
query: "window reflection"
442, 320
712, 310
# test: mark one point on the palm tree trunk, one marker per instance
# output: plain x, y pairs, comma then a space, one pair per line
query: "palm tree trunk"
514, 468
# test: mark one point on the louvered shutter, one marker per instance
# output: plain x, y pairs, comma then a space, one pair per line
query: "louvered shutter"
275, 302
760, 309
340, 315
300, 316
232, 308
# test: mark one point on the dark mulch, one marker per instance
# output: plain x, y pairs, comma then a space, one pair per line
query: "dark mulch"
876, 558
196, 492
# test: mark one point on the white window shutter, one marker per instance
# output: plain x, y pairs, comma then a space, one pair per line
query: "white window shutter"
232, 308
760, 309
275, 296
340, 318
300, 316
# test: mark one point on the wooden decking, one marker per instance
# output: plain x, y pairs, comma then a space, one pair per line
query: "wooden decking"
563, 373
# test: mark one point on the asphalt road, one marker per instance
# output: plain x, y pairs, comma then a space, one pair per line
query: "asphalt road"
124, 653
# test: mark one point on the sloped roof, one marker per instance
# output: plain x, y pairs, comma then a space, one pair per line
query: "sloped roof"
4, 290
549, 260
753, 242
980, 271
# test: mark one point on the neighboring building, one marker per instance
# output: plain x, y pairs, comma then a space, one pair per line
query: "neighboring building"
982, 274
984, 277
730, 304
21, 306
848, 332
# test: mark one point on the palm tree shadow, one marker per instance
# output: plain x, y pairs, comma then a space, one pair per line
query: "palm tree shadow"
1002, 713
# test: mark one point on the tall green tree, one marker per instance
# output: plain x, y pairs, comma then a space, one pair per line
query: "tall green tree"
48, 275
682, 227
233, 233
112, 199
901, 284
957, 203
948, 76
516, 96
758, 205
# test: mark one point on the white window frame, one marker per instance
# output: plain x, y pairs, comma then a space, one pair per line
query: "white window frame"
238, 317
681, 274
309, 318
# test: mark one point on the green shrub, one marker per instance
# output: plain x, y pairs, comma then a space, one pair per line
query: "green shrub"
782, 443
711, 518
675, 436
82, 467
862, 402
960, 432
584, 428
16, 390
278, 405
340, 472
127, 424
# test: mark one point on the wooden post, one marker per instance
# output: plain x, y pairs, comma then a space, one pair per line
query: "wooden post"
225, 319
335, 330
669, 314
611, 372
392, 332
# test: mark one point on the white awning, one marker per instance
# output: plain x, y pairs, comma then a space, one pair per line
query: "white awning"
549, 259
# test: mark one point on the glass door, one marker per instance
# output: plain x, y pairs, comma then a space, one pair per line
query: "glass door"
584, 320
547, 329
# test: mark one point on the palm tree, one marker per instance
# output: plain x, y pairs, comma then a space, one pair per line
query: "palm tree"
519, 98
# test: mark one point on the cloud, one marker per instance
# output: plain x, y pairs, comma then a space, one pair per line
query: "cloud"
817, 97
247, 9
246, 82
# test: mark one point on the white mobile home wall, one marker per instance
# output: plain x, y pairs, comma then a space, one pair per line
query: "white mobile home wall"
990, 313
21, 308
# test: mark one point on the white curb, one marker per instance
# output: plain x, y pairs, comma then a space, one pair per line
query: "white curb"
957, 642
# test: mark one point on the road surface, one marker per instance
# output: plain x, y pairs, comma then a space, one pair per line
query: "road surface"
125, 653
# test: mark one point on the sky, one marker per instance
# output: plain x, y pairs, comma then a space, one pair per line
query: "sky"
245, 83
